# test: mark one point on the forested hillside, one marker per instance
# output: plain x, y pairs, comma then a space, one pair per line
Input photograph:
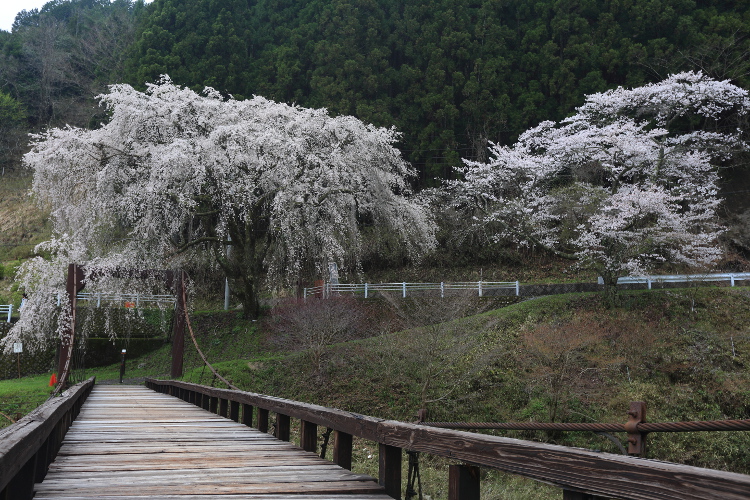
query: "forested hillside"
53, 64
450, 75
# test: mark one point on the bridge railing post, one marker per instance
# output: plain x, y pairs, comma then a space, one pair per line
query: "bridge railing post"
262, 420
247, 414
463, 482
234, 410
389, 470
308, 436
223, 407
342, 449
283, 427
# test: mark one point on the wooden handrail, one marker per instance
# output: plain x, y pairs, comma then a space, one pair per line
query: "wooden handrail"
577, 471
29, 446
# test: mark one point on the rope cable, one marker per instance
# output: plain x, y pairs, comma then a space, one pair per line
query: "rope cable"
195, 343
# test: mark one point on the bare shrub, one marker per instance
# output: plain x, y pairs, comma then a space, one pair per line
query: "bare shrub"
311, 326
557, 354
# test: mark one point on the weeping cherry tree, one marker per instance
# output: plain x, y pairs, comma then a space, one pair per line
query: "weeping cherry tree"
176, 176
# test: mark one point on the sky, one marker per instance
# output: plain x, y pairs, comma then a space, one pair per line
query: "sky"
9, 9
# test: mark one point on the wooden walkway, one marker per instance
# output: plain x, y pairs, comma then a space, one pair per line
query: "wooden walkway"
132, 443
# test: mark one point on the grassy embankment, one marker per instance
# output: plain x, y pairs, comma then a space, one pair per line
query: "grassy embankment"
22, 226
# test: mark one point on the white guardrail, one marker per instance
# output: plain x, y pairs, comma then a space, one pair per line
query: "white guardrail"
681, 278
368, 289
127, 299
6, 309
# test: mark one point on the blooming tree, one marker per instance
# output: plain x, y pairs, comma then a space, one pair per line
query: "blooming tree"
629, 180
176, 176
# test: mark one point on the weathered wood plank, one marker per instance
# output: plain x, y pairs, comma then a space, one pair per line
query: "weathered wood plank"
130, 442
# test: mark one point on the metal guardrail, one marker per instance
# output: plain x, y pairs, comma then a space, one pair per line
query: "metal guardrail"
6, 310
681, 278
131, 299
368, 289
405, 289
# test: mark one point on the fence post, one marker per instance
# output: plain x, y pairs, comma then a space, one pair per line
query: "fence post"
308, 436
649, 282
518, 289
479, 287
577, 495
636, 439
247, 414
403, 289
389, 470
262, 420
366, 290
442, 290
282, 427
731, 279
463, 482
342, 449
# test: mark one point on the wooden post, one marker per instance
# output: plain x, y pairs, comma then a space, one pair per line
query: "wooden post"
389, 470
247, 414
636, 439
21, 487
234, 410
214, 404
223, 408
262, 420
308, 436
73, 285
577, 495
283, 426
41, 460
342, 449
463, 482
205, 402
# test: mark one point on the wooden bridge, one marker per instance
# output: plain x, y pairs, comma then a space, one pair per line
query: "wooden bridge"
175, 440
129, 441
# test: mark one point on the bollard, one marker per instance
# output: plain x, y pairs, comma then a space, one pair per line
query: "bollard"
122, 365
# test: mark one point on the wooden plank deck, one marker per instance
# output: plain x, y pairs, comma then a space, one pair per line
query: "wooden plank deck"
130, 443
